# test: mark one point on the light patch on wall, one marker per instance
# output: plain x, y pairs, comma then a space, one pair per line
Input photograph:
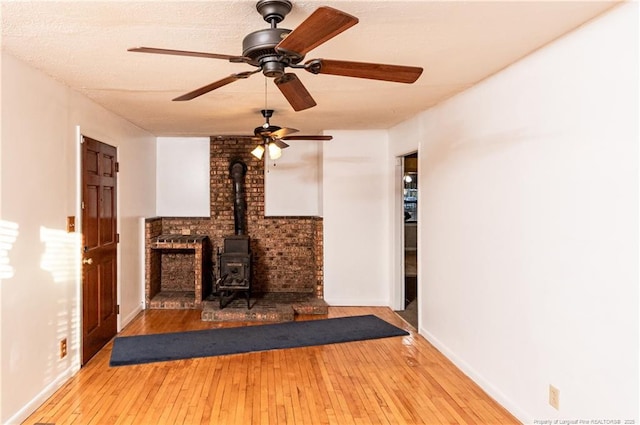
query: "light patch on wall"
61, 253
8, 235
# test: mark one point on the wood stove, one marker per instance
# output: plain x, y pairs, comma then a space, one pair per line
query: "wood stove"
234, 269
234, 263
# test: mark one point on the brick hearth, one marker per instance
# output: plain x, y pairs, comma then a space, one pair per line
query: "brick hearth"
267, 307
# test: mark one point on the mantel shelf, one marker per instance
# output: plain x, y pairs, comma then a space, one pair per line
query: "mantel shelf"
177, 241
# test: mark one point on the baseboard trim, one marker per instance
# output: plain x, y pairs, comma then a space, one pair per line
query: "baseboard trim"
126, 320
476, 377
43, 396
356, 302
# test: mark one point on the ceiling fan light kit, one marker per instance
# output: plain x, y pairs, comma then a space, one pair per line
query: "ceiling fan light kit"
272, 50
271, 138
274, 151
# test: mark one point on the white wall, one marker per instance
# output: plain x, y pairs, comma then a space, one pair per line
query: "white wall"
356, 218
183, 177
292, 182
39, 176
529, 223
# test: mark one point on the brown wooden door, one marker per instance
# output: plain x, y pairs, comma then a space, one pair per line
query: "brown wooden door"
99, 237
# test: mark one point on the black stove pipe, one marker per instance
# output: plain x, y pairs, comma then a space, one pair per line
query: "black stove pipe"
237, 171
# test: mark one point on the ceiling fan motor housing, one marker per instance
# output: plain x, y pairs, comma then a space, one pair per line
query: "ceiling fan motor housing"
265, 132
260, 45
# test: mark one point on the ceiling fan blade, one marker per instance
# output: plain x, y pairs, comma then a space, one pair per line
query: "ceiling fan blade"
322, 25
308, 138
372, 71
206, 89
215, 85
295, 92
279, 134
230, 58
279, 143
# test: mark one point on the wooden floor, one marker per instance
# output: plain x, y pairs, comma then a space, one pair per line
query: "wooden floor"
399, 380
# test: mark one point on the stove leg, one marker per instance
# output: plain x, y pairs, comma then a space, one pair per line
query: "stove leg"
225, 298
248, 299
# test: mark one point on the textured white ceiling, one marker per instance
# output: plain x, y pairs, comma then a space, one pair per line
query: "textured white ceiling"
84, 45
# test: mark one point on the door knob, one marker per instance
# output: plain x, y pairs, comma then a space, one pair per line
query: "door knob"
87, 261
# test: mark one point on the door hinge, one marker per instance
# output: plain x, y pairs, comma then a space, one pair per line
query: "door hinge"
117, 167
117, 308
117, 237
82, 204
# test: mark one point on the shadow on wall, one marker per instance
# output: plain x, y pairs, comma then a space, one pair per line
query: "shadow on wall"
454, 146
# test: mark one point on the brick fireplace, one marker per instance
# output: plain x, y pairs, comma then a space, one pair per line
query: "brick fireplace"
287, 251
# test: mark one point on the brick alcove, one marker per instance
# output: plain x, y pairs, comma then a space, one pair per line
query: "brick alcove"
287, 251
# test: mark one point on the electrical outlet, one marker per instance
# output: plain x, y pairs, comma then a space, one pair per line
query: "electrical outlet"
63, 348
186, 231
554, 397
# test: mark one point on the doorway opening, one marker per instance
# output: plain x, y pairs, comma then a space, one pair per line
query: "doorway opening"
410, 232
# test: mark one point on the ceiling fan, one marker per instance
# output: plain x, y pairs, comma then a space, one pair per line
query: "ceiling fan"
271, 50
271, 137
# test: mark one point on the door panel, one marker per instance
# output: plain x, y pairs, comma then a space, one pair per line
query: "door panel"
107, 219
99, 224
90, 298
108, 291
90, 216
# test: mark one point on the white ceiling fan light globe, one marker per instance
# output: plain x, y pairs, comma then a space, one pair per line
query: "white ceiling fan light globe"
258, 151
274, 151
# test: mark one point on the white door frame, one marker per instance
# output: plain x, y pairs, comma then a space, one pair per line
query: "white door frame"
398, 290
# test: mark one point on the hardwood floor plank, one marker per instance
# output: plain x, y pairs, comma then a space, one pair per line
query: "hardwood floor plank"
400, 380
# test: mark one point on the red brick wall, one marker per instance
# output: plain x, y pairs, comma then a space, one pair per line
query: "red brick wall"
287, 251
